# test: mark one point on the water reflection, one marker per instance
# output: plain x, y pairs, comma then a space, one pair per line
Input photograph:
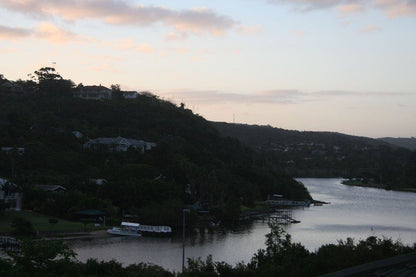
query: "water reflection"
354, 212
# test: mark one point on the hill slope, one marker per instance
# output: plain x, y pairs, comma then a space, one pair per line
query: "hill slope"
409, 143
190, 156
326, 154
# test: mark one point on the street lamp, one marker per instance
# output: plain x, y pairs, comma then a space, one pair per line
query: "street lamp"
183, 237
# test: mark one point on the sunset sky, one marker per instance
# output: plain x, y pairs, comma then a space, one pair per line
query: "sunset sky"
322, 65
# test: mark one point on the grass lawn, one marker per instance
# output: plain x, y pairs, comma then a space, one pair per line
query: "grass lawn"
41, 223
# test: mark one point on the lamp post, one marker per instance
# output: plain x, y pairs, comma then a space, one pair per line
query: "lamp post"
183, 237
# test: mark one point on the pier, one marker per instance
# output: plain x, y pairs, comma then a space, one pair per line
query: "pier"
9, 244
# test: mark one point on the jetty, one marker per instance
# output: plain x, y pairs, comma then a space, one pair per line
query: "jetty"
283, 217
10, 244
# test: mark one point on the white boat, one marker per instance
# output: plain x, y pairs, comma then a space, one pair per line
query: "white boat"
155, 230
127, 229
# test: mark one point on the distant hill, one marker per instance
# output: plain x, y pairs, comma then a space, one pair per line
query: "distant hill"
267, 136
409, 143
326, 154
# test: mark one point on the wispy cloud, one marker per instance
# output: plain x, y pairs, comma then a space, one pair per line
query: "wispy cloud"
396, 8
392, 8
119, 12
250, 30
13, 33
370, 29
307, 5
277, 96
44, 31
130, 44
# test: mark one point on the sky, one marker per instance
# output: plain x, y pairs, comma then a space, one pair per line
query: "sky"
346, 66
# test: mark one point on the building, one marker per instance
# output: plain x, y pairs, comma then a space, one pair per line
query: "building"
19, 150
92, 92
9, 196
130, 94
118, 144
52, 188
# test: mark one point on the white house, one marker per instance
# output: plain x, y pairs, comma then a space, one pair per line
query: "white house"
52, 188
130, 94
9, 196
19, 150
119, 144
93, 92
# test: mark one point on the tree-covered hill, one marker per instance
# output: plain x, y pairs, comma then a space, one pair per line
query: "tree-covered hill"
192, 162
409, 143
328, 154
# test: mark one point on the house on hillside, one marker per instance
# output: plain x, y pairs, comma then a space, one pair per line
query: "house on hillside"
130, 94
52, 188
9, 196
118, 144
8, 149
92, 92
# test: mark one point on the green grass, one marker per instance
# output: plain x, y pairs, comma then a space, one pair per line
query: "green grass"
41, 223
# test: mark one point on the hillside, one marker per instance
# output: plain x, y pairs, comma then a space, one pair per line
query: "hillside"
190, 164
326, 154
409, 143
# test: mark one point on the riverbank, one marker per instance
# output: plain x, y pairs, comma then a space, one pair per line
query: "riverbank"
369, 184
44, 225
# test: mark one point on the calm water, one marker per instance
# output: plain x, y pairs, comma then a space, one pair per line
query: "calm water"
354, 212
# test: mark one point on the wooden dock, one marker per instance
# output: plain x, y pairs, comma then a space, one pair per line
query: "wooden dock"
10, 244
283, 217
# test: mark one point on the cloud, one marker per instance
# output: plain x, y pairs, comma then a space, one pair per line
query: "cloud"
349, 8
214, 97
370, 29
176, 36
276, 96
119, 12
45, 30
13, 33
55, 34
130, 44
250, 30
392, 8
396, 8
307, 5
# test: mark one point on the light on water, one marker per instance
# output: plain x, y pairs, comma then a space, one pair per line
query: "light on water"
354, 212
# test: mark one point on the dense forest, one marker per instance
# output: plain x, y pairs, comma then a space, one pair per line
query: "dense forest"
328, 154
192, 164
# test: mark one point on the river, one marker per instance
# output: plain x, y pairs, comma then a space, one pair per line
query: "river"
355, 212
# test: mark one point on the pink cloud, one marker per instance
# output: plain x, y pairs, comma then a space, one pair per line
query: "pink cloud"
45, 30
13, 33
250, 30
196, 21
397, 8
55, 34
392, 8
370, 29
130, 44
350, 8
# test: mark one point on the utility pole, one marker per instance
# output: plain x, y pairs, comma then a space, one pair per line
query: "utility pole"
183, 237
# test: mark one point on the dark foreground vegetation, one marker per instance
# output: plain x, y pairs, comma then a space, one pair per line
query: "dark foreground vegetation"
375, 162
282, 257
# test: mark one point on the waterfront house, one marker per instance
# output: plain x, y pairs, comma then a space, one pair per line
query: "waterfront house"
118, 144
78, 134
9, 196
8, 149
52, 188
92, 92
